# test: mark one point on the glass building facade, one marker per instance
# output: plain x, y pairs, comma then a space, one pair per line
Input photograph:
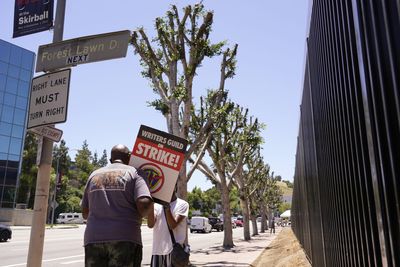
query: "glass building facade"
16, 71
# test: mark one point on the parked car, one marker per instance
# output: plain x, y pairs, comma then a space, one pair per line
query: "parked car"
70, 218
239, 223
200, 224
216, 223
5, 233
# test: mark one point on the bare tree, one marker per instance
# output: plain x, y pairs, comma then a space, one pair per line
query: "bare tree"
170, 61
270, 196
248, 184
232, 141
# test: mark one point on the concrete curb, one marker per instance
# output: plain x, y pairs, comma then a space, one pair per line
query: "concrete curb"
16, 228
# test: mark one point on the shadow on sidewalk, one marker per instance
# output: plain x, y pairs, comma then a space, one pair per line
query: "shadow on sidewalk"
219, 249
244, 253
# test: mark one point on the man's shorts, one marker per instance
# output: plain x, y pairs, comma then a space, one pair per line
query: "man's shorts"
113, 254
161, 261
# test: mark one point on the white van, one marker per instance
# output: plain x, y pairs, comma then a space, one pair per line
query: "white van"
200, 224
70, 218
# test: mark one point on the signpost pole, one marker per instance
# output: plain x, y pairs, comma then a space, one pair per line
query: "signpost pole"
36, 243
59, 21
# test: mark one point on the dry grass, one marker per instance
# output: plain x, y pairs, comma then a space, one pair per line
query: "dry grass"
284, 251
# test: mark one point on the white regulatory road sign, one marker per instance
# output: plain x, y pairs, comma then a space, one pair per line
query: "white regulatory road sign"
49, 98
48, 132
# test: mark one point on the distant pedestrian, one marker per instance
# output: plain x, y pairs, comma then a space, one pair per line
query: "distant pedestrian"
170, 216
116, 198
272, 225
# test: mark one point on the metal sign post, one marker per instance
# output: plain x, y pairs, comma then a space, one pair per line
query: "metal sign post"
35, 253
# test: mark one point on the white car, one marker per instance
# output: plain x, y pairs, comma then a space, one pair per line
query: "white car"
70, 218
200, 224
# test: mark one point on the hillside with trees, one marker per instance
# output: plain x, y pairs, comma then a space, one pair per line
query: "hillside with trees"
285, 187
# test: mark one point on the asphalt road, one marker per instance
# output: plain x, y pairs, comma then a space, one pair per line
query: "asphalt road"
63, 247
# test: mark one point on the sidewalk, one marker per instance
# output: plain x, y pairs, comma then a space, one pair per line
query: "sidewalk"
244, 253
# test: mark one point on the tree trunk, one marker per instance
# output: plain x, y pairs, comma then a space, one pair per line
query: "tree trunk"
176, 130
182, 183
254, 223
28, 196
32, 197
264, 224
49, 204
246, 225
228, 237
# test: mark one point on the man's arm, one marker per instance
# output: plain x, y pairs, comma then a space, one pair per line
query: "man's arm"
85, 202
151, 218
85, 213
173, 222
144, 205
144, 202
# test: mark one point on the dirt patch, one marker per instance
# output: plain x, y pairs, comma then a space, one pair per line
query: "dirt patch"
284, 251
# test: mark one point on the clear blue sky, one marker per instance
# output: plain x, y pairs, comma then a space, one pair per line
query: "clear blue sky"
107, 102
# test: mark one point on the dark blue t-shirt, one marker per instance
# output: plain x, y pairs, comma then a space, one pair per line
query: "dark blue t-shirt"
110, 195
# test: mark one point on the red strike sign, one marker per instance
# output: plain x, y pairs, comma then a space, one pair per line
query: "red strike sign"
158, 154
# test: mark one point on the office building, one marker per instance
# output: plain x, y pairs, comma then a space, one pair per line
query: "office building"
16, 71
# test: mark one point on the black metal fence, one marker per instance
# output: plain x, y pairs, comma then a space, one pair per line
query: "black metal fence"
346, 200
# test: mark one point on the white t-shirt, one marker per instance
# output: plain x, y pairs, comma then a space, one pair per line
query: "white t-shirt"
162, 243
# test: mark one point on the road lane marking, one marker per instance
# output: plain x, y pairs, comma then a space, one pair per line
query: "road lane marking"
71, 262
19, 249
55, 259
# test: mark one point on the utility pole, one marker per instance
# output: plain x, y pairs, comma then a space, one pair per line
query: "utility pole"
36, 243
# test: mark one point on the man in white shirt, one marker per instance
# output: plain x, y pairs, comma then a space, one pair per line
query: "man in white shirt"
175, 214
